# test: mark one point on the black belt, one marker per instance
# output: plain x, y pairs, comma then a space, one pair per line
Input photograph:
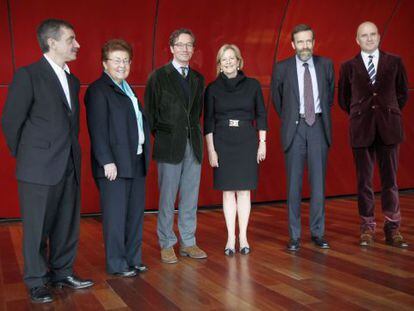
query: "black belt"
234, 123
302, 115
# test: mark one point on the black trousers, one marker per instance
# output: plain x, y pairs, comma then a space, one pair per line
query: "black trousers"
51, 216
123, 205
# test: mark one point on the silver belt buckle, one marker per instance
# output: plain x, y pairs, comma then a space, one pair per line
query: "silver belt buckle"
234, 123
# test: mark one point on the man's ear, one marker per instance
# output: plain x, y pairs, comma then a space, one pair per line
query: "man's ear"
51, 43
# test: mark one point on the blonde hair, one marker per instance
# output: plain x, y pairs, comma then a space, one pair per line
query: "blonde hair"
223, 49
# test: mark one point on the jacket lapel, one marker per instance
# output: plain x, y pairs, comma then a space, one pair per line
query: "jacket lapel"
51, 76
319, 75
194, 85
361, 69
74, 101
176, 85
294, 80
382, 60
107, 79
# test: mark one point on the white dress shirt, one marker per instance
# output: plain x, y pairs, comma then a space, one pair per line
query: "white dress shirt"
301, 72
177, 66
61, 74
365, 58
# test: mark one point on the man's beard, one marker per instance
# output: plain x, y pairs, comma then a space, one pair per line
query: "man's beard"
304, 54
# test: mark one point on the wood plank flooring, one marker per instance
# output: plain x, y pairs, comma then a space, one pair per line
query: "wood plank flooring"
346, 277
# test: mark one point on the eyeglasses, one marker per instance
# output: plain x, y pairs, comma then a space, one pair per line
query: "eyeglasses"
182, 46
228, 60
118, 61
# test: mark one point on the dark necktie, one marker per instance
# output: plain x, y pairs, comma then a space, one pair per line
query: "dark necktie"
308, 96
371, 69
183, 72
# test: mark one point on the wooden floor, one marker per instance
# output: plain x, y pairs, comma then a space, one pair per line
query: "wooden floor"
345, 277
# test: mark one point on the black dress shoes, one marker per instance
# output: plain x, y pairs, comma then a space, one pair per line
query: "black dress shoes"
293, 245
320, 242
140, 268
40, 294
73, 282
126, 274
245, 250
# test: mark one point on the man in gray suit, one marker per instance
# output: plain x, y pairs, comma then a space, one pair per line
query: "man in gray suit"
302, 91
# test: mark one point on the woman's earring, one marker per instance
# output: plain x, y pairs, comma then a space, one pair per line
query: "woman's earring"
221, 70
238, 68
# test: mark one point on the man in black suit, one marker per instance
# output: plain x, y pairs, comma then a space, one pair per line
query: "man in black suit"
302, 90
41, 125
173, 101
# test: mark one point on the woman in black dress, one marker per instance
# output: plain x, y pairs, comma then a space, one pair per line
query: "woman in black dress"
234, 112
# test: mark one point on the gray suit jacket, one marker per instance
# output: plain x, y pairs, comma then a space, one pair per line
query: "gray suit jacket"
285, 95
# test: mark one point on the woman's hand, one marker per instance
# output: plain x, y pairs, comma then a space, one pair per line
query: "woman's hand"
261, 151
213, 158
110, 171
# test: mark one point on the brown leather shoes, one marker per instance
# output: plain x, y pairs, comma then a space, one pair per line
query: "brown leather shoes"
168, 255
193, 252
396, 240
367, 238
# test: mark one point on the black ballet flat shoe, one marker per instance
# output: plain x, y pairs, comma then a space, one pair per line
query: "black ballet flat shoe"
229, 252
245, 250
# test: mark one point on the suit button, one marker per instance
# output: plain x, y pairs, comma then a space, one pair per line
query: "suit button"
375, 94
297, 122
373, 107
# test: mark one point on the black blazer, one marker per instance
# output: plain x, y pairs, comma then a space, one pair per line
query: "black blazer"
285, 95
39, 126
113, 129
172, 118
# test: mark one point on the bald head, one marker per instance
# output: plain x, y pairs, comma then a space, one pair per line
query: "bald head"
368, 37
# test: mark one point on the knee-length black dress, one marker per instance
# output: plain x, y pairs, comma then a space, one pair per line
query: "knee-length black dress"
236, 101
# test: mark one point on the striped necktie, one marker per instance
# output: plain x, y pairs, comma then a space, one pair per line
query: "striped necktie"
371, 69
309, 103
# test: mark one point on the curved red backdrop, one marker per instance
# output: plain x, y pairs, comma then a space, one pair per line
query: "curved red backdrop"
262, 31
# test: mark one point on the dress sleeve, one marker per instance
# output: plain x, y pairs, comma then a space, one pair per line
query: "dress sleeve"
209, 121
261, 114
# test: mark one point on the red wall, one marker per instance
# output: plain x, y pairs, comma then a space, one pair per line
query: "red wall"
260, 28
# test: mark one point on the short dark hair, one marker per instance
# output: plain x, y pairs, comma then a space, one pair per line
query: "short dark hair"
115, 45
300, 28
176, 33
50, 28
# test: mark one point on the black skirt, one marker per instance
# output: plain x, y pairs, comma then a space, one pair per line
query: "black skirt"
236, 148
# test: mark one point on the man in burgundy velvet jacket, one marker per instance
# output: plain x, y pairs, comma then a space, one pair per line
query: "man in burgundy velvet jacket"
373, 90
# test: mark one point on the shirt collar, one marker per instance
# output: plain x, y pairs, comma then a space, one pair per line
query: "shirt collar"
301, 62
365, 54
177, 66
55, 66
